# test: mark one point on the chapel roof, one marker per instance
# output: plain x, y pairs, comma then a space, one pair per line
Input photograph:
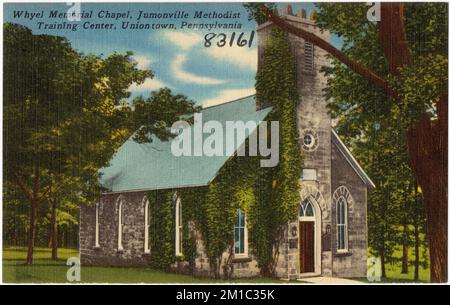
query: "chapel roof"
150, 166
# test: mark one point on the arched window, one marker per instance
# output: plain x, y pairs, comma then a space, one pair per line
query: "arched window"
306, 209
341, 222
240, 234
146, 225
120, 226
178, 227
97, 226
343, 201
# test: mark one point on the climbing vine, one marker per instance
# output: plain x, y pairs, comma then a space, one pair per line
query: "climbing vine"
268, 196
162, 229
276, 83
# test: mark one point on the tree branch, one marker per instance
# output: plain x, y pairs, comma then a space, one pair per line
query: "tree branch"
46, 192
23, 187
356, 67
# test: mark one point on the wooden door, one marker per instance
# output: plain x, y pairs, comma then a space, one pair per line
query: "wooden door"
306, 246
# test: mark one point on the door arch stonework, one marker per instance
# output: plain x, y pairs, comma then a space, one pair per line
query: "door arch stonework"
317, 219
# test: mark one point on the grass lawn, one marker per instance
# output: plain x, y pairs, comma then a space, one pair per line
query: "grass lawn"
393, 271
45, 270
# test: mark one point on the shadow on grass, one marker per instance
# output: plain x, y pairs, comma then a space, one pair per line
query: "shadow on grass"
23, 264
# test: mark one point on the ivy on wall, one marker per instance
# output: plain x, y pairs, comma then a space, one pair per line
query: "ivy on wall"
276, 83
162, 229
162, 225
268, 196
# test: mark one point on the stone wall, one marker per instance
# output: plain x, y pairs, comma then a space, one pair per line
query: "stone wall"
107, 254
312, 115
242, 267
353, 263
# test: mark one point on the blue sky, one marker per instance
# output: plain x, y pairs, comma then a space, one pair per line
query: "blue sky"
178, 57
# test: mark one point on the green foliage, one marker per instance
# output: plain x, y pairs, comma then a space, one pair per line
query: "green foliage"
276, 83
420, 86
427, 28
264, 233
15, 216
66, 114
233, 188
192, 201
162, 228
155, 115
255, 13
374, 124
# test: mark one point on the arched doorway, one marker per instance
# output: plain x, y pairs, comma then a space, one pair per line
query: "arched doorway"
309, 238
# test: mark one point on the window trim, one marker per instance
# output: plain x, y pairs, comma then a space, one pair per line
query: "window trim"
97, 225
308, 66
147, 247
178, 226
244, 254
120, 225
314, 140
345, 224
302, 210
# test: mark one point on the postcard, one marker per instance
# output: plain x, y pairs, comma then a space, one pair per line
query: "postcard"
233, 142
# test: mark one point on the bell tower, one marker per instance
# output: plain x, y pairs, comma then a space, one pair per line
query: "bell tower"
314, 127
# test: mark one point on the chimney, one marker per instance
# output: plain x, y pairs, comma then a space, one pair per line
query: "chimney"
313, 15
301, 13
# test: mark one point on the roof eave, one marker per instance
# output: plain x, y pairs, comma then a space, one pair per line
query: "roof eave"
351, 160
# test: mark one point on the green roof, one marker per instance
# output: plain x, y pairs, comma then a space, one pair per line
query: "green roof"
149, 166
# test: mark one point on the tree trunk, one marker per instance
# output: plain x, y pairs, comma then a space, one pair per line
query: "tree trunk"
54, 232
31, 231
34, 198
427, 143
63, 239
405, 249
416, 250
383, 265
13, 238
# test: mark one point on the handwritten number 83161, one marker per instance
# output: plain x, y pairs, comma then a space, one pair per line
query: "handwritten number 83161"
222, 39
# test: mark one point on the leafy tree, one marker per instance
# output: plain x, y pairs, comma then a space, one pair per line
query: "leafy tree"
382, 152
62, 205
65, 114
396, 68
15, 216
419, 224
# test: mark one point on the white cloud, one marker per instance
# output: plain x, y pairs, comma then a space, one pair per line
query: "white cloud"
185, 40
143, 62
228, 95
148, 85
240, 56
187, 77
